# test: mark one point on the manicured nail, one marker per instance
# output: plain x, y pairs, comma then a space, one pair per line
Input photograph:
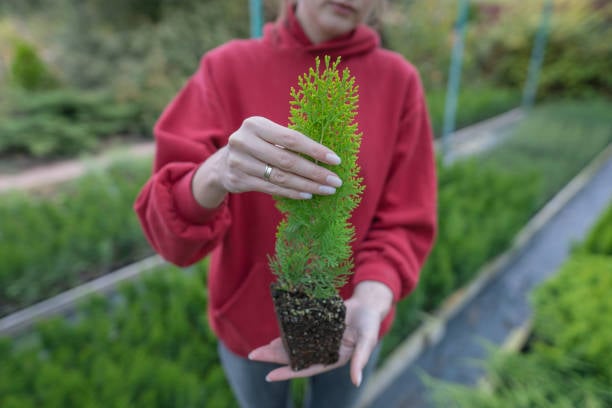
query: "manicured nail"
334, 181
327, 190
332, 158
306, 196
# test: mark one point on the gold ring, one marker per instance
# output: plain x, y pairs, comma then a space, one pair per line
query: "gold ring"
267, 172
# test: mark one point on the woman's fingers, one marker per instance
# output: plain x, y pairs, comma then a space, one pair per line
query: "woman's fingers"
264, 156
361, 355
276, 134
245, 173
292, 163
274, 352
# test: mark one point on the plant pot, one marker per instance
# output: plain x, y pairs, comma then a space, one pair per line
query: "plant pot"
311, 329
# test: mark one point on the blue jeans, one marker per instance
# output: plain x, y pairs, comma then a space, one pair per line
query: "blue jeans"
332, 389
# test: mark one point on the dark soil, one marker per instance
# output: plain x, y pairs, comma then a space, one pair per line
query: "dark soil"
311, 329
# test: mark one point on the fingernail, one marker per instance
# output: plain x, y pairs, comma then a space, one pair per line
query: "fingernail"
359, 379
268, 379
332, 158
334, 181
327, 190
250, 356
307, 196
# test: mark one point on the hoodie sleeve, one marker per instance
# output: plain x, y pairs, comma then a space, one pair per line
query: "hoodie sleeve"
404, 226
188, 132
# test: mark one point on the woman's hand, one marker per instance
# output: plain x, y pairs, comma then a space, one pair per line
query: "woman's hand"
365, 311
264, 156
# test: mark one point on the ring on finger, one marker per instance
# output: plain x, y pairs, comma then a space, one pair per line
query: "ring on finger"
267, 172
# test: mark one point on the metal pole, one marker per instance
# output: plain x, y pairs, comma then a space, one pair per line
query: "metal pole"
256, 13
454, 76
537, 56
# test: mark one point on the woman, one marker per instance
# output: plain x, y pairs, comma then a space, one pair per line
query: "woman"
223, 150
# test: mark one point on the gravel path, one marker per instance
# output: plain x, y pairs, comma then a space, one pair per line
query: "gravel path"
44, 175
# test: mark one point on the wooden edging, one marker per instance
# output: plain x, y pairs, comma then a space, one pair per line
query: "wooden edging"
517, 339
432, 330
514, 343
19, 321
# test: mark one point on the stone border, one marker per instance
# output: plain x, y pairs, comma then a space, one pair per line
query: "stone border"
432, 330
22, 320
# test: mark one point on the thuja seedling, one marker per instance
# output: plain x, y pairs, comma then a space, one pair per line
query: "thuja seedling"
313, 256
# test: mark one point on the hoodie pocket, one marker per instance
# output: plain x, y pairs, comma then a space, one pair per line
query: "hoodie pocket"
247, 319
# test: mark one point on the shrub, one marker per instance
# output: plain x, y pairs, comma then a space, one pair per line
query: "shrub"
475, 103
524, 381
567, 363
571, 317
62, 122
567, 360
576, 58
51, 243
599, 240
148, 346
479, 211
28, 71
421, 32
556, 140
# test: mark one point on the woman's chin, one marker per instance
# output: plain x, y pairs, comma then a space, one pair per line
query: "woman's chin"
336, 26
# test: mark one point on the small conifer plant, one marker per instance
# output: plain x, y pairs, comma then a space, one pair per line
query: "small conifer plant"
313, 256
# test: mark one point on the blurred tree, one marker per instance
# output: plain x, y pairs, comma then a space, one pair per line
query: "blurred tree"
28, 71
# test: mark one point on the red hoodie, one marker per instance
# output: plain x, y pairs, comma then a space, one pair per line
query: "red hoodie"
394, 223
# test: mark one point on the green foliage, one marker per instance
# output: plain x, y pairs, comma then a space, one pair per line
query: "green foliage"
599, 240
61, 122
556, 140
141, 52
148, 346
479, 210
524, 381
51, 243
475, 103
572, 313
419, 31
568, 361
576, 59
28, 71
313, 252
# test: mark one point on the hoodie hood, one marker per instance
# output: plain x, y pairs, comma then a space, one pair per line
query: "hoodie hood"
288, 34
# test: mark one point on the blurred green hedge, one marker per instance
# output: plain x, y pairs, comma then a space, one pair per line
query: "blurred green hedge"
63, 122
148, 346
52, 242
576, 60
599, 240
